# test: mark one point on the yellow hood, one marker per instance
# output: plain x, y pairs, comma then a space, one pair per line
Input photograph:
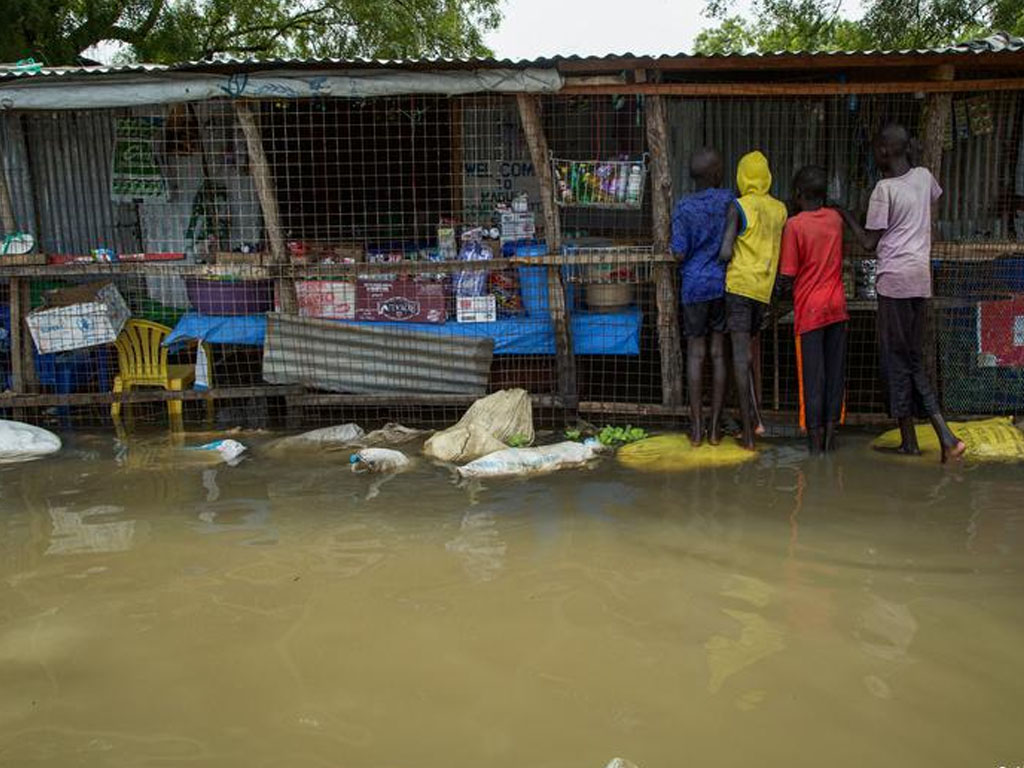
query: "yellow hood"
752, 174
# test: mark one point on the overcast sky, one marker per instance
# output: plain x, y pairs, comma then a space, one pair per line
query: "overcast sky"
533, 28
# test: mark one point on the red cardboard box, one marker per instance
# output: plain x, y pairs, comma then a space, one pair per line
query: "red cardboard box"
1001, 333
332, 299
401, 300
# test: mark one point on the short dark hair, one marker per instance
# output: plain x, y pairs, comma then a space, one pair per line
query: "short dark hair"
811, 182
895, 137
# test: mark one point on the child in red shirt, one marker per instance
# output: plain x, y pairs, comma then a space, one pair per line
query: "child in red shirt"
812, 254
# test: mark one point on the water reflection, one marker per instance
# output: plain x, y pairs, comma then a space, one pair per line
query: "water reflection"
90, 530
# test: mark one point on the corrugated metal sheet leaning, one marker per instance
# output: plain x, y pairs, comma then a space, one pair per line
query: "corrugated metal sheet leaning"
375, 360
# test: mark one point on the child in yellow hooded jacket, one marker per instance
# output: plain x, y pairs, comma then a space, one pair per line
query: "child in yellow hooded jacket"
751, 246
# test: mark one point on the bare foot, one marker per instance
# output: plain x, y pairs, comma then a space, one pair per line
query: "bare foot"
759, 430
901, 450
696, 436
955, 452
715, 434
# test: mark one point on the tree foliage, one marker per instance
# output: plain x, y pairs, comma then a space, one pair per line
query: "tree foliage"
794, 25
58, 31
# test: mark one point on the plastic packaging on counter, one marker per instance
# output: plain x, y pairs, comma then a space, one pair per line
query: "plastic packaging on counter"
514, 462
473, 282
378, 460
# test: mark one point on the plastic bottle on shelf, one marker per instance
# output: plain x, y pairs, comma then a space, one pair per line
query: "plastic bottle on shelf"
636, 179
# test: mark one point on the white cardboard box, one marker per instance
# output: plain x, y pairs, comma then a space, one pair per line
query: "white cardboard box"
476, 309
333, 299
95, 320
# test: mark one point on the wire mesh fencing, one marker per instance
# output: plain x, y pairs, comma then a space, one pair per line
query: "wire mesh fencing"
301, 261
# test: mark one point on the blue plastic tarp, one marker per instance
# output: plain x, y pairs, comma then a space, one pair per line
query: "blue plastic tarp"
613, 333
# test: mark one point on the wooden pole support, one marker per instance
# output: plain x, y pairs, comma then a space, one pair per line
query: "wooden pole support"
7, 220
536, 141
667, 298
260, 169
934, 119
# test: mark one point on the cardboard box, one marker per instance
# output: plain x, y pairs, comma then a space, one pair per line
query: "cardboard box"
332, 299
517, 226
401, 300
78, 317
476, 309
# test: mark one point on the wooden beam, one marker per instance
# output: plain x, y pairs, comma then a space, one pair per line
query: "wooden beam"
565, 358
793, 61
260, 169
536, 141
667, 298
801, 89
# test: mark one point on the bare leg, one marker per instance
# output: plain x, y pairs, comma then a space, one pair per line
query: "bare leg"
755, 382
952, 446
830, 437
816, 440
908, 437
755, 408
695, 349
741, 372
718, 387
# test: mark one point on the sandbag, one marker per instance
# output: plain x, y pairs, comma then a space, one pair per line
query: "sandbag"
327, 437
24, 442
378, 460
486, 427
514, 462
989, 440
392, 434
675, 453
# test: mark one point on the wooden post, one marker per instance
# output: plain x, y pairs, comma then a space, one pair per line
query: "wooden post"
664, 273
260, 169
565, 359
935, 116
7, 220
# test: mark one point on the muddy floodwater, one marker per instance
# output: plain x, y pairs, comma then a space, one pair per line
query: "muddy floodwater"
855, 611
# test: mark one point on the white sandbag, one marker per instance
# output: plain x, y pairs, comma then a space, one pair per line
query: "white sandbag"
392, 434
339, 435
378, 460
462, 444
512, 462
487, 426
24, 442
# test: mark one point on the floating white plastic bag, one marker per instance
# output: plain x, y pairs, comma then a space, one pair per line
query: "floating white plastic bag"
229, 451
24, 442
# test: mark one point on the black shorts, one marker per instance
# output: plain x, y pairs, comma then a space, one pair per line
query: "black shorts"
704, 317
743, 314
908, 387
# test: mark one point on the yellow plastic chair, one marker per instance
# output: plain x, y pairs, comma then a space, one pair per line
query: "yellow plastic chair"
142, 362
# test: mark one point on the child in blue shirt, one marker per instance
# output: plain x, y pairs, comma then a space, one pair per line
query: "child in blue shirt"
698, 223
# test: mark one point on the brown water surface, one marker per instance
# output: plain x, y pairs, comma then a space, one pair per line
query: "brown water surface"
856, 611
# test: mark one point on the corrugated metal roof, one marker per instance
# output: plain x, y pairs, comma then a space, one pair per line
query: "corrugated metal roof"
999, 42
